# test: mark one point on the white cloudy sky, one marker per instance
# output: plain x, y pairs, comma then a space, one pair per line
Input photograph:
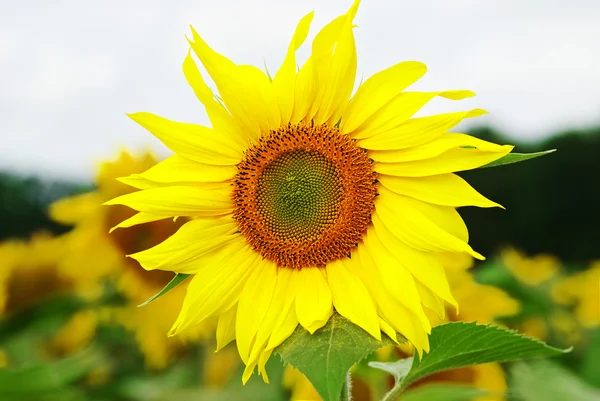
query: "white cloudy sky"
70, 69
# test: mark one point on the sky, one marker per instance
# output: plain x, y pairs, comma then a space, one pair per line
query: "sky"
70, 70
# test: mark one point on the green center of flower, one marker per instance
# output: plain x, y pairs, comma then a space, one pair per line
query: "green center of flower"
298, 194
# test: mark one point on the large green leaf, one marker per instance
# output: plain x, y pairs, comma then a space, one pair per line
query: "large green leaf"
178, 279
443, 392
326, 356
543, 380
459, 344
517, 157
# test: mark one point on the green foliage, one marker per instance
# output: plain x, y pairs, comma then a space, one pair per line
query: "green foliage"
543, 380
457, 345
326, 356
590, 370
517, 158
178, 279
443, 392
45, 378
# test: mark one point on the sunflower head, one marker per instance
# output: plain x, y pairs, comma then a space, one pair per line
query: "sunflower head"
304, 197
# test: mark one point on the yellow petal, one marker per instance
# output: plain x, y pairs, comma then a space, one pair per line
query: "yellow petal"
388, 330
193, 240
396, 278
431, 301
417, 131
253, 306
400, 109
424, 267
178, 169
192, 141
248, 370
390, 310
75, 208
443, 189
178, 201
262, 362
284, 328
378, 90
139, 218
219, 117
434, 148
351, 299
334, 68
280, 306
245, 90
216, 286
226, 328
457, 159
313, 299
421, 227
304, 92
284, 82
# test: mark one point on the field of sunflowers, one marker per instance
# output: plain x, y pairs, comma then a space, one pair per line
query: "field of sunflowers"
310, 244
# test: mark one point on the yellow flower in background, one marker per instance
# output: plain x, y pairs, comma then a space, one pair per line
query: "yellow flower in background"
76, 333
306, 199
300, 387
477, 302
582, 290
530, 271
534, 326
28, 272
219, 367
95, 255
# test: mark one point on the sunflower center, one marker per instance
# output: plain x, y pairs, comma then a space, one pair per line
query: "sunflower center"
298, 195
303, 195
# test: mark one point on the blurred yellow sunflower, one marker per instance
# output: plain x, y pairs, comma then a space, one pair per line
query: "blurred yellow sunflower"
531, 271
306, 199
583, 291
28, 272
94, 256
29, 276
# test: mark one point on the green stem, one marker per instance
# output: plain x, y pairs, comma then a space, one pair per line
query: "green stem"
347, 389
393, 394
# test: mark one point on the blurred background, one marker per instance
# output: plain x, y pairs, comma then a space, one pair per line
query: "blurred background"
69, 71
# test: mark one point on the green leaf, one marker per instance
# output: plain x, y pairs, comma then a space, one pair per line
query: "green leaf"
517, 157
326, 356
444, 392
459, 344
543, 380
589, 363
178, 279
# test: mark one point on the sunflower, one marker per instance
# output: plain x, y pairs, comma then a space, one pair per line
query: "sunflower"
531, 271
29, 277
307, 199
90, 245
581, 290
28, 272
